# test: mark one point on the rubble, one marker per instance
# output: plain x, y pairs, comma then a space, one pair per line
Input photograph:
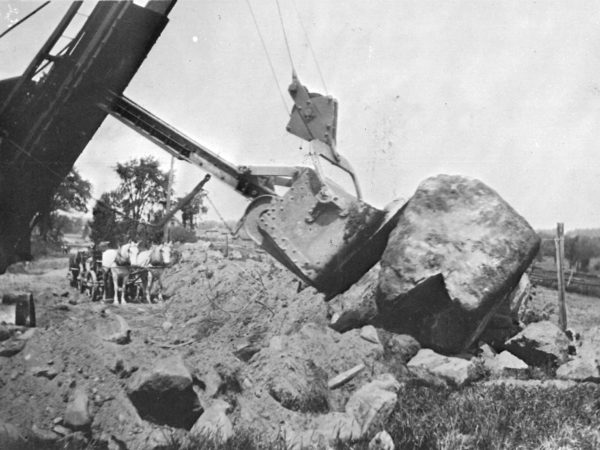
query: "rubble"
369, 333
365, 411
356, 307
44, 437
402, 347
540, 344
373, 403
115, 329
505, 364
11, 347
214, 423
579, 369
164, 394
77, 414
46, 372
382, 441
300, 386
457, 370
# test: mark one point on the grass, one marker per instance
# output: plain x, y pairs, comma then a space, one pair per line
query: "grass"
583, 312
495, 417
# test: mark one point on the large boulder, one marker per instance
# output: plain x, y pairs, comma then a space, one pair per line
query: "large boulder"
540, 344
458, 250
165, 395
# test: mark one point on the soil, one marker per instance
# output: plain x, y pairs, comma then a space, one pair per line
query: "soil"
219, 311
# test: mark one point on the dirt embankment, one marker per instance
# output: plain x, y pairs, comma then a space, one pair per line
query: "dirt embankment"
220, 311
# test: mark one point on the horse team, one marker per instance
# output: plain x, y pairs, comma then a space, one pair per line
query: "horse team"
121, 262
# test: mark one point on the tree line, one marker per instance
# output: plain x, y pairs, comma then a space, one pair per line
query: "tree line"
135, 209
579, 249
132, 211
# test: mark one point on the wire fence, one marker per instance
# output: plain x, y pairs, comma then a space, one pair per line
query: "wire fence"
578, 282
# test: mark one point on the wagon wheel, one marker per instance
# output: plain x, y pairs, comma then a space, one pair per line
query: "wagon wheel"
91, 286
73, 275
80, 284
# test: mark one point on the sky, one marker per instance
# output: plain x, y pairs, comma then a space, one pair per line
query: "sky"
504, 91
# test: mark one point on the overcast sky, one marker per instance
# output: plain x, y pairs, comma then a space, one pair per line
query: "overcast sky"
504, 91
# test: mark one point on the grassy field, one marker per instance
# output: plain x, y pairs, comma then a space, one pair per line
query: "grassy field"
582, 312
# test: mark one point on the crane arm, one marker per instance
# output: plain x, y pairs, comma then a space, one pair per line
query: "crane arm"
250, 181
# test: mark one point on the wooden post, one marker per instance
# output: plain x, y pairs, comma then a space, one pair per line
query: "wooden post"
560, 255
168, 206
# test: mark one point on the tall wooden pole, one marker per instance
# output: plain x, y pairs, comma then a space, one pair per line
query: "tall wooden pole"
560, 256
168, 207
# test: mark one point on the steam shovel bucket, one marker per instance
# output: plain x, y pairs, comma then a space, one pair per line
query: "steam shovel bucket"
327, 237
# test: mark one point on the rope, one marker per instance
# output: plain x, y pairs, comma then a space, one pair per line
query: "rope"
310, 47
5, 32
262, 40
287, 44
219, 214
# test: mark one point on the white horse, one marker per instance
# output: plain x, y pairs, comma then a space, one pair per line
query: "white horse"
154, 261
119, 263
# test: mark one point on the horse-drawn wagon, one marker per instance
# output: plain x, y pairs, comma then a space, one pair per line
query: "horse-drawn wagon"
97, 271
86, 273
77, 258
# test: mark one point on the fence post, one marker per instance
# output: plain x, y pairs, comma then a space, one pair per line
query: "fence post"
560, 274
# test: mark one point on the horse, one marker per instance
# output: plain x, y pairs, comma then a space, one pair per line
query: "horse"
154, 261
119, 263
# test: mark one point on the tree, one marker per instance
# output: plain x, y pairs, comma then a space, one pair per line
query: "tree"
579, 250
142, 192
72, 194
104, 225
129, 211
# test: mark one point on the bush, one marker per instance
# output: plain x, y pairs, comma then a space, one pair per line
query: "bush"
180, 234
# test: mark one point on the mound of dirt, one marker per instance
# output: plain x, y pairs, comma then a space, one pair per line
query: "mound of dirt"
245, 333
